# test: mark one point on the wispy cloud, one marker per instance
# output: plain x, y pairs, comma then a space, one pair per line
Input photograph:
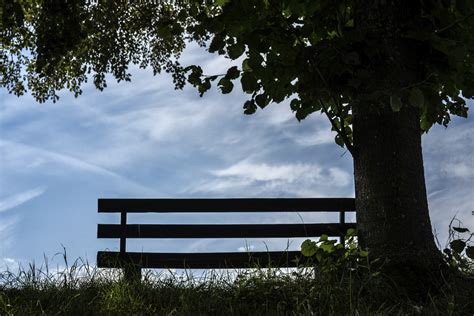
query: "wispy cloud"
463, 170
15, 200
288, 173
265, 172
7, 225
249, 178
38, 156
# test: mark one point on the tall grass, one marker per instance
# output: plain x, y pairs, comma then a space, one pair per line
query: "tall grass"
342, 281
82, 289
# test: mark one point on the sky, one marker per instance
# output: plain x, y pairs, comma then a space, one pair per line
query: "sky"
145, 139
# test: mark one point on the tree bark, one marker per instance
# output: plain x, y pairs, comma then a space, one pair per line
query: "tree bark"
391, 202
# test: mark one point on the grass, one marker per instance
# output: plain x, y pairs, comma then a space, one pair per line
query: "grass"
81, 289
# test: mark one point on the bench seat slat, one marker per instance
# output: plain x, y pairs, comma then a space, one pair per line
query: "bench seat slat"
222, 230
215, 260
226, 205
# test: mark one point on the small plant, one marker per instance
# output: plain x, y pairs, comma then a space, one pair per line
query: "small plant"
459, 250
331, 256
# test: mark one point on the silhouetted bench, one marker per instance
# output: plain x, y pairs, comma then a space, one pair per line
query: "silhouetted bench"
133, 262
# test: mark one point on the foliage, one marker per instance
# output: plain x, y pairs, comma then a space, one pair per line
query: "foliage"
331, 256
325, 56
459, 251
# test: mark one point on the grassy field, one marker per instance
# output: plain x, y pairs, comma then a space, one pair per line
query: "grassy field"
84, 290
342, 281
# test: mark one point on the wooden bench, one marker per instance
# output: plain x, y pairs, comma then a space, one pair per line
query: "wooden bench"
133, 262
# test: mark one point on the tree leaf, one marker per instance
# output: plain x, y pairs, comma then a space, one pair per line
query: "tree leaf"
262, 100
249, 82
236, 50
245, 65
249, 107
460, 229
233, 73
470, 252
339, 140
416, 98
221, 3
308, 248
204, 86
457, 245
217, 44
295, 104
226, 85
351, 232
327, 247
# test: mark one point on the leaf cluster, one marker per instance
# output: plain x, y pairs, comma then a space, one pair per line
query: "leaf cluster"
330, 256
323, 56
459, 252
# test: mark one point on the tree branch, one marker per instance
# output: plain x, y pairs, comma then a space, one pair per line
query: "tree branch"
340, 132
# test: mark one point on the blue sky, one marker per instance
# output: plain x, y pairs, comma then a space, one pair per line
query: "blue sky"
144, 139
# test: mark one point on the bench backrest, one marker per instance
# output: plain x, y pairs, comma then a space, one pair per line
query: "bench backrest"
219, 259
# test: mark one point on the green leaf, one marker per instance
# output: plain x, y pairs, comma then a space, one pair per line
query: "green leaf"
236, 50
194, 77
222, 3
226, 85
249, 107
233, 73
249, 82
460, 229
245, 65
262, 100
308, 248
327, 247
425, 123
351, 232
376, 274
217, 44
286, 12
457, 245
470, 252
202, 88
255, 60
339, 140
416, 98
324, 237
295, 104
395, 103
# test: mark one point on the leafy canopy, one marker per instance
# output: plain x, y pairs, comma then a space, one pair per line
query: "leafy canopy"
324, 55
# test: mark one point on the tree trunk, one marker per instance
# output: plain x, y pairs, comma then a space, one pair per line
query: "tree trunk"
392, 208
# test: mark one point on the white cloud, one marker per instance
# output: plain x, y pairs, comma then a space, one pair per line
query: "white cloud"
6, 263
265, 172
6, 228
246, 248
9, 260
31, 156
287, 173
20, 198
339, 177
463, 170
247, 178
161, 123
